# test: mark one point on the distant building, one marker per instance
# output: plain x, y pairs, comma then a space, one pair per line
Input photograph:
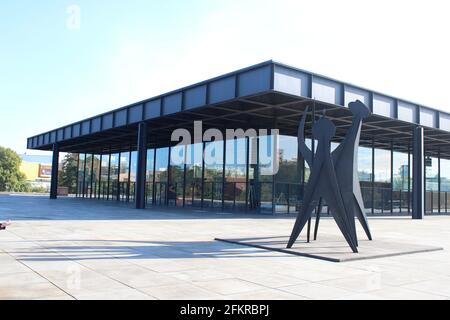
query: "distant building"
37, 170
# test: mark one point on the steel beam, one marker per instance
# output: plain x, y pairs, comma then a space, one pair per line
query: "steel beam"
54, 179
141, 166
418, 208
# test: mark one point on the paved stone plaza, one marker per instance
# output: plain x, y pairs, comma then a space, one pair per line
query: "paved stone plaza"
86, 249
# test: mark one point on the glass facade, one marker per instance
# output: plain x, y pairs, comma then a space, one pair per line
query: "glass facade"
238, 175
161, 176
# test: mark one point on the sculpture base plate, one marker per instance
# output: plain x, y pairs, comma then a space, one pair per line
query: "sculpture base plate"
334, 249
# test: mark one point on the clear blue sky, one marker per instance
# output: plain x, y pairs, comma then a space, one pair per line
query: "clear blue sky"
54, 72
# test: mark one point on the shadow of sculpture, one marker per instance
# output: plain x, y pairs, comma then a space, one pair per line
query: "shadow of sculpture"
334, 177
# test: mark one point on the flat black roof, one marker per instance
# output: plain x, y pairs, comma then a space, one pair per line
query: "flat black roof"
266, 95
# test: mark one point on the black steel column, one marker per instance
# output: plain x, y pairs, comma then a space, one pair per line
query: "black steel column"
439, 181
373, 177
78, 174
418, 208
54, 180
109, 175
141, 166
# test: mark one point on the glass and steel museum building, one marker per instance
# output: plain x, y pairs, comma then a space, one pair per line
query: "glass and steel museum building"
125, 154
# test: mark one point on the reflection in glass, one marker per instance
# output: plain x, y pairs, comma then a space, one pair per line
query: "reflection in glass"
365, 175
287, 180
103, 189
400, 195
235, 173
133, 172
149, 175
161, 166
113, 176
445, 185
382, 175
124, 175
213, 174
95, 175
80, 187
88, 176
176, 175
432, 185
193, 184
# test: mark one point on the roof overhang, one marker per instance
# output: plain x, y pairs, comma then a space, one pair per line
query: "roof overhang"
267, 95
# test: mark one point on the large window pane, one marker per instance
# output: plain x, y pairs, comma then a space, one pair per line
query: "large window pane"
149, 175
287, 180
104, 177
445, 185
432, 185
176, 175
81, 161
113, 177
235, 173
266, 171
133, 172
124, 175
88, 176
95, 175
382, 174
365, 175
161, 170
193, 182
400, 172
212, 194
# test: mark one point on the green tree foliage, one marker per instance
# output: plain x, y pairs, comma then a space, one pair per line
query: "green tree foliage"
11, 179
68, 173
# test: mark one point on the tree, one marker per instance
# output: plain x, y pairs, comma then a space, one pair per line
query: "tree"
11, 179
69, 171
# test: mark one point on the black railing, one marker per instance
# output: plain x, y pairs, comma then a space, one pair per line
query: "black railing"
262, 196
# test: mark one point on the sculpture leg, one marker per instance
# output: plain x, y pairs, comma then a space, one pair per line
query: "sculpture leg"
359, 212
319, 212
334, 200
302, 218
308, 235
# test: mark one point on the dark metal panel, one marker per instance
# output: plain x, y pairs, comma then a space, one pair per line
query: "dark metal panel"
152, 109
444, 121
107, 121
222, 90
68, 132
353, 93
60, 135
47, 138
120, 118
35, 142
76, 130
407, 112
254, 81
195, 97
291, 81
52, 136
327, 90
96, 124
85, 127
172, 103
41, 140
135, 113
427, 117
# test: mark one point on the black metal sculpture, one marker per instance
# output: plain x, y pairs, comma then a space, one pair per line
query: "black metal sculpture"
334, 177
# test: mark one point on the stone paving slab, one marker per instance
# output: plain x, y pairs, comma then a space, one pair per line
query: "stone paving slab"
333, 249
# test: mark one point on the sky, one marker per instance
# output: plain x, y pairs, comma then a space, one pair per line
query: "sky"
63, 61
